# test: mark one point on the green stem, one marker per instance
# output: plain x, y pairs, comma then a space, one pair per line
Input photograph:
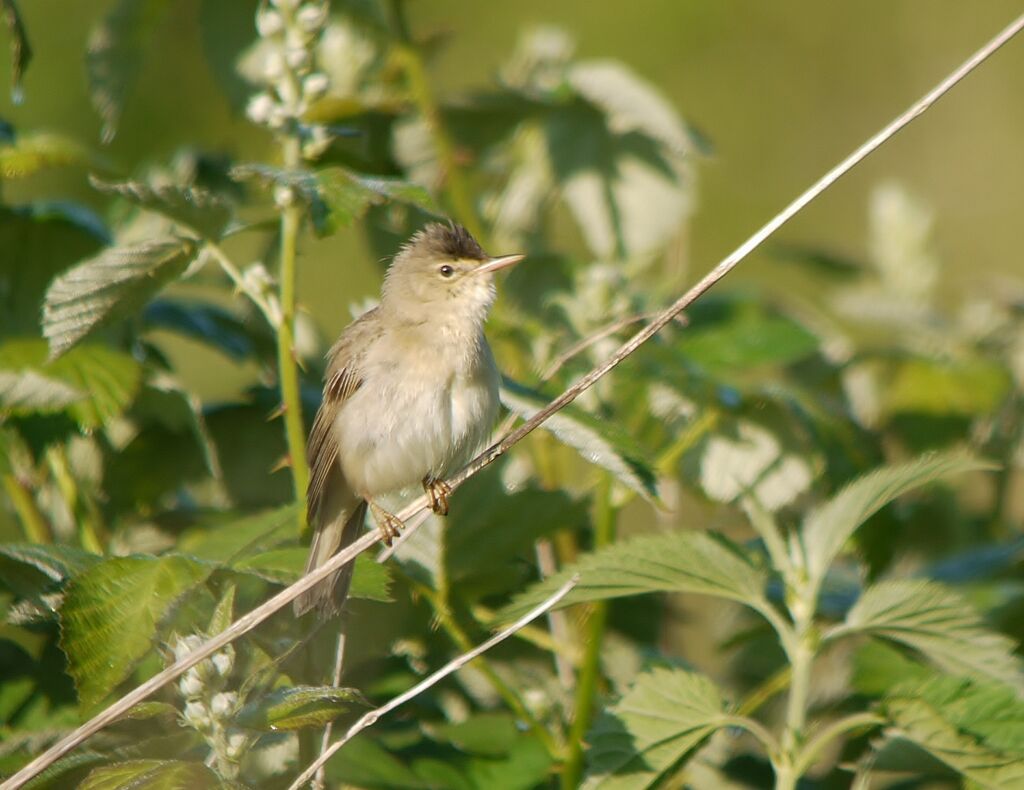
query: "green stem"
446, 619
816, 745
37, 530
287, 362
800, 650
90, 532
590, 667
411, 62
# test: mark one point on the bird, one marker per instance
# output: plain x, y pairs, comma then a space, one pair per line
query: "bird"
410, 395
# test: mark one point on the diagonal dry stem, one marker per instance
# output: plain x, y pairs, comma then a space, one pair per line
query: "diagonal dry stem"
249, 621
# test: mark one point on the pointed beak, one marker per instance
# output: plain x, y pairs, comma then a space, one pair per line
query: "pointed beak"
496, 264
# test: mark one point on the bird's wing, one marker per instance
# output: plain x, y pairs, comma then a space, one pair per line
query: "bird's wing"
344, 377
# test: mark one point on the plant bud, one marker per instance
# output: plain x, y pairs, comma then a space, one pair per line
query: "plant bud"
223, 662
269, 23
223, 703
191, 685
273, 66
312, 18
298, 58
315, 85
260, 108
197, 716
284, 196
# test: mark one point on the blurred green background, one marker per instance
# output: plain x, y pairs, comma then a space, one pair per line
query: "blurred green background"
781, 90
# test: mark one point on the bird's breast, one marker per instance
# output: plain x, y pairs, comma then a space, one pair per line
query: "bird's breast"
415, 415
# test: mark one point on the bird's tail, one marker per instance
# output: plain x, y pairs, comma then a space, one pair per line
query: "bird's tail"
328, 596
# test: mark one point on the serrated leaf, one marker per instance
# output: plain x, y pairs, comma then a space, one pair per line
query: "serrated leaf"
114, 59
198, 210
58, 563
110, 284
21, 51
684, 561
236, 537
828, 527
928, 725
298, 707
108, 379
599, 442
938, 623
67, 771
154, 775
111, 613
664, 716
30, 391
337, 197
30, 153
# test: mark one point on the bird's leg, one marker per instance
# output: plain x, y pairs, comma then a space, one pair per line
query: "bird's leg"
388, 524
437, 492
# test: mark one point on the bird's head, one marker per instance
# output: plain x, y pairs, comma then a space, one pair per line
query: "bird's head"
442, 274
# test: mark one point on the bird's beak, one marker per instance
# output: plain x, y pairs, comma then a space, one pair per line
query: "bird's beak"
495, 264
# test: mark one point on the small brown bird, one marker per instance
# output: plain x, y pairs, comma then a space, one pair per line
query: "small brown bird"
410, 395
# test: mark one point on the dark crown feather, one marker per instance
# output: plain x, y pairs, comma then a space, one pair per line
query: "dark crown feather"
445, 241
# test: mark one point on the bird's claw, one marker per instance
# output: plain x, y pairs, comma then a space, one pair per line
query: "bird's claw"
389, 526
437, 492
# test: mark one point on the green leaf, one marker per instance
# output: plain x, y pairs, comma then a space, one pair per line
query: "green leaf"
234, 538
926, 386
828, 527
337, 197
29, 391
108, 380
488, 734
938, 623
749, 339
684, 561
110, 284
21, 52
198, 210
224, 613
976, 729
342, 197
30, 153
117, 47
599, 442
111, 613
619, 152
40, 241
32, 569
371, 580
664, 716
154, 775
298, 707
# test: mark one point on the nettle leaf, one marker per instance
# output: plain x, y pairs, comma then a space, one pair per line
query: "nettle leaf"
234, 538
299, 707
599, 442
30, 570
370, 580
748, 339
685, 561
976, 729
108, 285
829, 526
111, 613
21, 52
197, 209
926, 386
117, 47
107, 380
342, 197
337, 197
937, 622
30, 153
154, 775
40, 241
29, 391
664, 716
619, 153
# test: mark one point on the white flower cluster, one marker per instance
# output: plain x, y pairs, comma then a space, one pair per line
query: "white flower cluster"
290, 30
209, 708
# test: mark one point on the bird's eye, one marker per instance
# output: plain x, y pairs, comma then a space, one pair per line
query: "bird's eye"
446, 270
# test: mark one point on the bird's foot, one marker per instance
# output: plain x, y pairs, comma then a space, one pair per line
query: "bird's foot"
437, 492
389, 526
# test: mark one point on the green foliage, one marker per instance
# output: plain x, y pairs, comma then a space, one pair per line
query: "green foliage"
782, 453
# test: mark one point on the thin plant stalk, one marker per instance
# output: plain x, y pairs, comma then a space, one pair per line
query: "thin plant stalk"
590, 668
252, 619
373, 716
